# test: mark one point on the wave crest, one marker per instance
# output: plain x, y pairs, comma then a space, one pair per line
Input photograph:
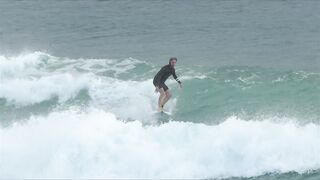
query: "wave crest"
94, 144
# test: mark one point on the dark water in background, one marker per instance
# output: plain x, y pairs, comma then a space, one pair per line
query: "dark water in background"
76, 94
252, 33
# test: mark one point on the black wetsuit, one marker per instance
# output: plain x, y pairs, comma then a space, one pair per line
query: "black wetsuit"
163, 75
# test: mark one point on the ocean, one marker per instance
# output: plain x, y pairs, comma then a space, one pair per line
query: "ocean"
77, 99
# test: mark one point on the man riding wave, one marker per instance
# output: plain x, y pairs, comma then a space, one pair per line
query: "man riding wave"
159, 82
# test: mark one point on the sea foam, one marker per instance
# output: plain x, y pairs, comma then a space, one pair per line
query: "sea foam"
95, 144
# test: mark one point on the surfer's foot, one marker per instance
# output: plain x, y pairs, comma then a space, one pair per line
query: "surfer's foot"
160, 109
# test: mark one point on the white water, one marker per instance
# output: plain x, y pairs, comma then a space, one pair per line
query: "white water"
34, 90
95, 144
35, 77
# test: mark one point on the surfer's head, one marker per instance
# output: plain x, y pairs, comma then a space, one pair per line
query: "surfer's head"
173, 61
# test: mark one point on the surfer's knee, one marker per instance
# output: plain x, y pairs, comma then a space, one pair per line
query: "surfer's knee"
168, 94
162, 92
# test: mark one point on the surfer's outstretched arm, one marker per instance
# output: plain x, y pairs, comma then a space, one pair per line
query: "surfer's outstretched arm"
176, 77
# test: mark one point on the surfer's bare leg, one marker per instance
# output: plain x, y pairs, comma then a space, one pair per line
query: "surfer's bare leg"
156, 90
161, 98
166, 98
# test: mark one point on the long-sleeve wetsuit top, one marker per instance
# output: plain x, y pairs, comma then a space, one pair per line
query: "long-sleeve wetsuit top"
163, 75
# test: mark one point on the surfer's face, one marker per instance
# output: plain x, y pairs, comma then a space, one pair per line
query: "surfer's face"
173, 62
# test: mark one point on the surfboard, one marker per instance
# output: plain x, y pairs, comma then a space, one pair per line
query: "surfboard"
162, 117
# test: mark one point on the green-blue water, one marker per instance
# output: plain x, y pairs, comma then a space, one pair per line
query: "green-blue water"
77, 100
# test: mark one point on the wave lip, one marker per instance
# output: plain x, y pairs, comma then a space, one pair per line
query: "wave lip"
94, 144
23, 64
35, 90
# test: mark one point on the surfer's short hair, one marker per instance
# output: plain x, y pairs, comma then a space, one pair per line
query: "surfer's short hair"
172, 58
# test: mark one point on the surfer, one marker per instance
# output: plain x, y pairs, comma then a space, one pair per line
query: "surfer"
159, 82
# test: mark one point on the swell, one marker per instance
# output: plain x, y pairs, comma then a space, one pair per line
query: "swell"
250, 92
